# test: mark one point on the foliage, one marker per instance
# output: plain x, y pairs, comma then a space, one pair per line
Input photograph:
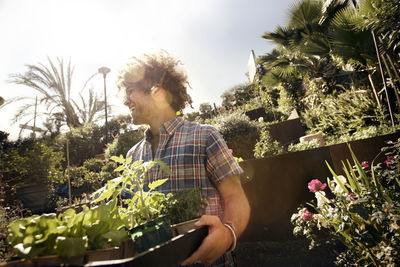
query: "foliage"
186, 205
206, 109
69, 234
383, 16
24, 162
7, 215
84, 143
363, 214
54, 85
117, 125
123, 142
239, 132
237, 96
361, 115
191, 116
303, 145
266, 146
86, 179
144, 205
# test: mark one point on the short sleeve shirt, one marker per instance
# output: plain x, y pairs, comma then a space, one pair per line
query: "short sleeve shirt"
197, 156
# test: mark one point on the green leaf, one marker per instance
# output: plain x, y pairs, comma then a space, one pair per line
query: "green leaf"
119, 159
68, 247
336, 178
21, 250
116, 237
359, 168
157, 183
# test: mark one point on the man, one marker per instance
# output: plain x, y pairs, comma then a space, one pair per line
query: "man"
155, 92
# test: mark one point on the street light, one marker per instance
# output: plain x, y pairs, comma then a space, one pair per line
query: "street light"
104, 71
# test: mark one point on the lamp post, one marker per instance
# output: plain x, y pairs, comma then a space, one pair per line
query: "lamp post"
104, 71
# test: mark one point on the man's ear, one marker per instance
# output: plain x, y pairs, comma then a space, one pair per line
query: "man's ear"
158, 93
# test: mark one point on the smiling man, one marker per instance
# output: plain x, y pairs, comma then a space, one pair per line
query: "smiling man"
155, 91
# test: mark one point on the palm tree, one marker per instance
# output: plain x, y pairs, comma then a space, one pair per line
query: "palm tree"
53, 84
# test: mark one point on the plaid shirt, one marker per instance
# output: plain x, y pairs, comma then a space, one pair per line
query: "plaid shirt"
197, 156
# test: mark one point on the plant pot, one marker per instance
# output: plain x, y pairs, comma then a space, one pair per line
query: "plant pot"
151, 234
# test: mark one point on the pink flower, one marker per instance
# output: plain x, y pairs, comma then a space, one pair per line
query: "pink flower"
389, 161
307, 216
316, 185
230, 151
365, 164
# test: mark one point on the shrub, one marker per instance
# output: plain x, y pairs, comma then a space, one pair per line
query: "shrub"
350, 115
123, 142
239, 133
303, 145
84, 143
266, 146
24, 162
363, 215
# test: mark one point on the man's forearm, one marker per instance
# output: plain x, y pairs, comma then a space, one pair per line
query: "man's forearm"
236, 205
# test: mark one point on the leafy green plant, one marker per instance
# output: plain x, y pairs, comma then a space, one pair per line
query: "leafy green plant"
69, 234
266, 146
144, 204
84, 143
363, 215
239, 133
123, 142
186, 205
303, 145
361, 118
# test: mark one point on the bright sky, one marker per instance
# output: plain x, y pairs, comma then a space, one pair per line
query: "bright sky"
213, 39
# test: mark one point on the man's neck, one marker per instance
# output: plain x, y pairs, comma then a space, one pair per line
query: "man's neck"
159, 120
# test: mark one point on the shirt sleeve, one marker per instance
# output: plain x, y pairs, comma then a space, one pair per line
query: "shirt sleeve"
220, 162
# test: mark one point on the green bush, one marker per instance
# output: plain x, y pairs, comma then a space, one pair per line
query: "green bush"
84, 143
348, 116
266, 146
239, 133
89, 177
26, 161
123, 142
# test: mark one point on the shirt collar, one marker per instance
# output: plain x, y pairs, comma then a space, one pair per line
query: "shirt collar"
168, 127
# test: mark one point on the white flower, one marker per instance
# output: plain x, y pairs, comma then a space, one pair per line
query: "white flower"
335, 186
321, 221
322, 200
260, 119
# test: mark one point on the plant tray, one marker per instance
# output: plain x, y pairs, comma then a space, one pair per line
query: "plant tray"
170, 253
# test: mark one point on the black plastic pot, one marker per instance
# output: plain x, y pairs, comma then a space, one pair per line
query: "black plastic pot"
151, 234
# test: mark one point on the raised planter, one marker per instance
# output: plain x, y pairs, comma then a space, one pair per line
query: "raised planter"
278, 184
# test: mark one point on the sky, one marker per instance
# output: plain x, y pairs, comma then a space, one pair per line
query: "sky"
212, 38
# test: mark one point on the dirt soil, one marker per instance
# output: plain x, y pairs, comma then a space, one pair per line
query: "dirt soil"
283, 253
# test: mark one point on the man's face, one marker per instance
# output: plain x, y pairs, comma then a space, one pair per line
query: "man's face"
140, 104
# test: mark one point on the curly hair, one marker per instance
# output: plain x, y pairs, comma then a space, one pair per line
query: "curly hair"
158, 69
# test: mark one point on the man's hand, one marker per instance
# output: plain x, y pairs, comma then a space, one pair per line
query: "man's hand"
217, 242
